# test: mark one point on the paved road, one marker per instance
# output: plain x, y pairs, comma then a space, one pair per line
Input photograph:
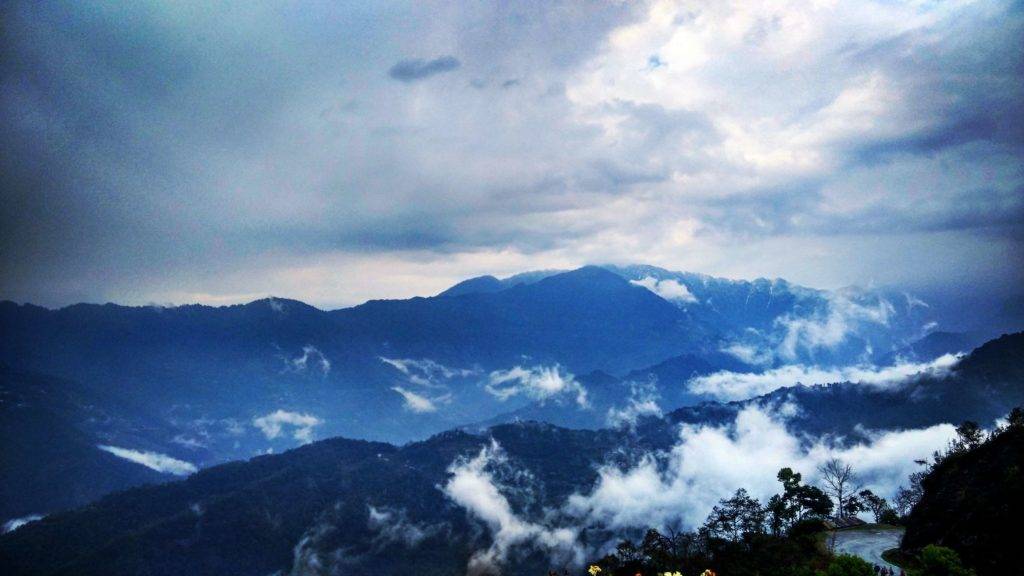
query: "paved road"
869, 543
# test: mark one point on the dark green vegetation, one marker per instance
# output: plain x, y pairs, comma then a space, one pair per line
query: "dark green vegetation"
972, 501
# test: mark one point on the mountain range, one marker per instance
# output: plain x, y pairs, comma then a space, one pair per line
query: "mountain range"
119, 396
350, 505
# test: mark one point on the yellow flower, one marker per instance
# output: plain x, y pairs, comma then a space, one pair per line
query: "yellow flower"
594, 570
676, 573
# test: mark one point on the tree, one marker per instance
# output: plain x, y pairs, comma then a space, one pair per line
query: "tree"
780, 514
1016, 418
908, 497
790, 480
846, 565
783, 509
840, 483
941, 561
665, 550
875, 504
853, 506
735, 518
627, 552
814, 502
796, 501
969, 436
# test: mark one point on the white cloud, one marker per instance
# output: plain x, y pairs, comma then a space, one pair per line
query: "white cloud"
311, 357
426, 372
272, 425
643, 401
15, 523
152, 460
188, 442
832, 326
669, 289
417, 402
749, 354
678, 487
727, 385
538, 382
473, 487
393, 525
309, 557
709, 463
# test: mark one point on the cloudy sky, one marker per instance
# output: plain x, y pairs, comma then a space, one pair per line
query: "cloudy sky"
333, 151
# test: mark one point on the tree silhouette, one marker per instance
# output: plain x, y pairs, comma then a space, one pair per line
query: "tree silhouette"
840, 483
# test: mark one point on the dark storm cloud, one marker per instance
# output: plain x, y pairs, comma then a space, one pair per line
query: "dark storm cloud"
413, 70
158, 151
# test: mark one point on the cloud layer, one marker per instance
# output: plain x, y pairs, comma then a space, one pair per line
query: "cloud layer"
727, 385
274, 424
413, 70
418, 403
709, 463
15, 523
341, 152
676, 488
539, 383
426, 372
671, 290
311, 359
152, 460
473, 487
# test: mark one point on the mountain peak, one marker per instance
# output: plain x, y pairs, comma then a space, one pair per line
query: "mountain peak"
477, 285
591, 274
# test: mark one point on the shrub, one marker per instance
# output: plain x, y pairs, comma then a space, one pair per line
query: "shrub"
846, 565
941, 561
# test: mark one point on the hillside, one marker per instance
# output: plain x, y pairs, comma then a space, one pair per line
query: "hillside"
248, 518
973, 502
50, 433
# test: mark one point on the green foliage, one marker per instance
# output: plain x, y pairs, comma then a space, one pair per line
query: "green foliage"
846, 565
738, 517
941, 561
796, 502
888, 516
878, 506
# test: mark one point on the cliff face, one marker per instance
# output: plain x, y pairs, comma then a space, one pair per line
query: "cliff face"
973, 502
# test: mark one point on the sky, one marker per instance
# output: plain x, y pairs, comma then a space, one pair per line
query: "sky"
334, 152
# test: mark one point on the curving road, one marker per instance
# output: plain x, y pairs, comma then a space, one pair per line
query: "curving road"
869, 543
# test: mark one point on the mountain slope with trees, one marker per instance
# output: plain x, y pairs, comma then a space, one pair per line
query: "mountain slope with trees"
972, 501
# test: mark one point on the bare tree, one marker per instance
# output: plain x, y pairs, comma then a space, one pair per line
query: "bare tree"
840, 483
